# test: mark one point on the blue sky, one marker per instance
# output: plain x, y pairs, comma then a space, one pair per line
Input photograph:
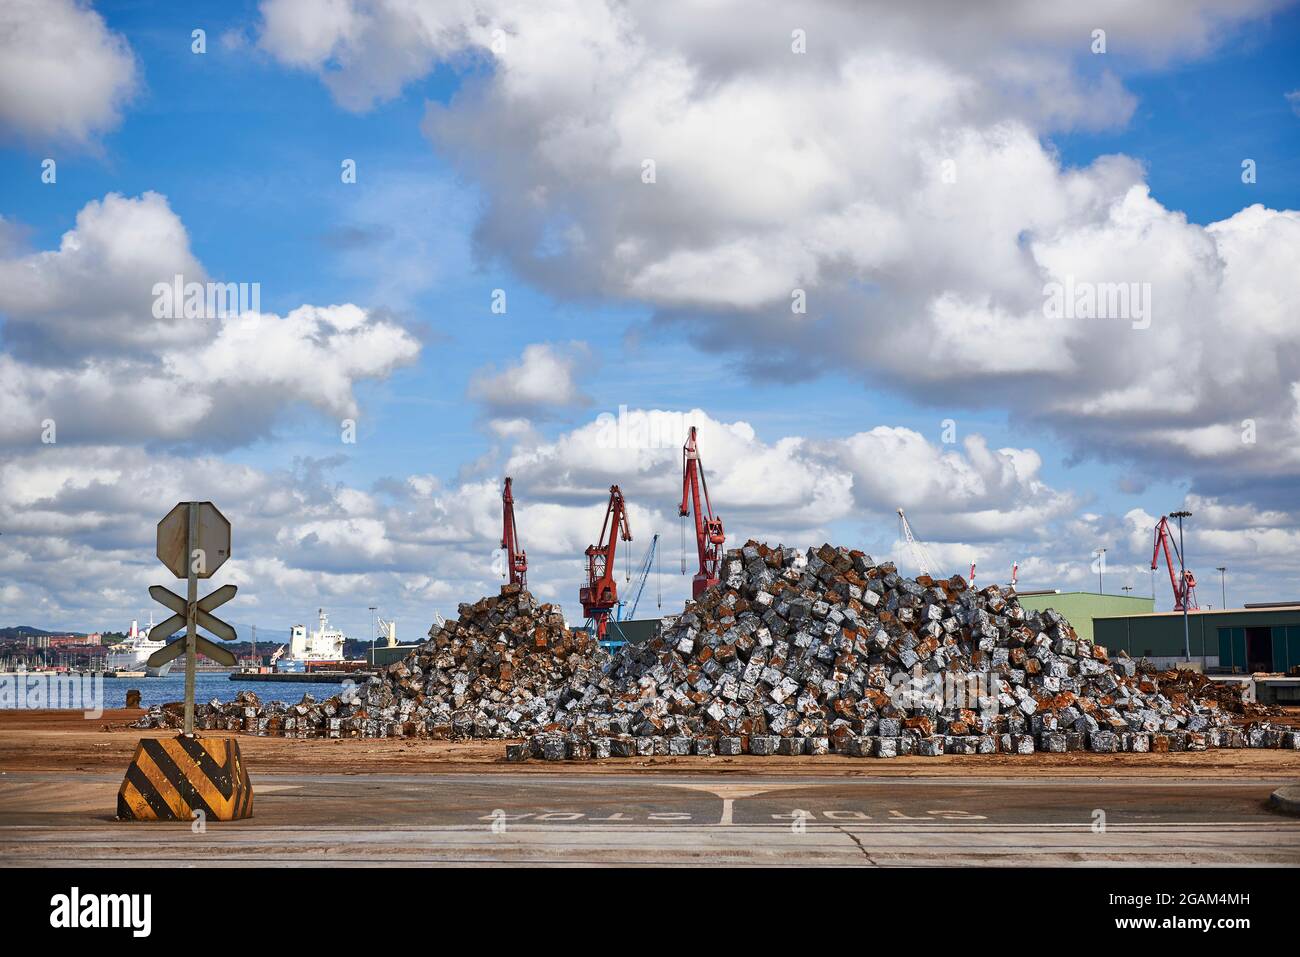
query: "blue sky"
246, 143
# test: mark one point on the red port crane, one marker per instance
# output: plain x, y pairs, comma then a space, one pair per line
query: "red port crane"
600, 594
709, 537
1184, 596
516, 557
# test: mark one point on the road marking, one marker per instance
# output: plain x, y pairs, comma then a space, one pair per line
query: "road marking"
913, 825
730, 793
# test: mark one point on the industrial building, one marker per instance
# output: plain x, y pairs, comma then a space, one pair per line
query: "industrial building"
1081, 607
1258, 637
632, 632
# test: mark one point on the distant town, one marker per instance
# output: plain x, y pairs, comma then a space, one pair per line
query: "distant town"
26, 648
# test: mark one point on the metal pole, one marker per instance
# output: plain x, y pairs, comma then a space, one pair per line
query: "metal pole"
1223, 583
190, 628
372, 634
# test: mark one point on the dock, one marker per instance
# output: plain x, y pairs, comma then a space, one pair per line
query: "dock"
317, 677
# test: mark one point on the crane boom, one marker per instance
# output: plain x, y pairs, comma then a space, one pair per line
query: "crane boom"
709, 536
1184, 596
516, 558
600, 594
642, 576
919, 554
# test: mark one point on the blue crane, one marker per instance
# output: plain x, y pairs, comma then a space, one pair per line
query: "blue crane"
642, 576
616, 636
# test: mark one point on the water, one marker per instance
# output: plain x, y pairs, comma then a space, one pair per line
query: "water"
208, 685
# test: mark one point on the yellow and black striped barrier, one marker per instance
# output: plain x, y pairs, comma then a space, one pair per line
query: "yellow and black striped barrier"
171, 778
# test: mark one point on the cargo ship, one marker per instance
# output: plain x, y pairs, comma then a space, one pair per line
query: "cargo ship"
319, 650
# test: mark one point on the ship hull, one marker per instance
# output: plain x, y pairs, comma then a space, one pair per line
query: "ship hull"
137, 661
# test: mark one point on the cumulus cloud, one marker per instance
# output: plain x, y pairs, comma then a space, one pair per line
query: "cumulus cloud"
86, 348
983, 493
79, 527
64, 76
93, 295
545, 379
78, 543
898, 173
79, 521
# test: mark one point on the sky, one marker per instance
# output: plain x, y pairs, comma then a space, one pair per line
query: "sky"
835, 237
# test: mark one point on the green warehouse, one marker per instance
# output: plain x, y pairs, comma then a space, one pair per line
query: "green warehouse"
1259, 637
1081, 607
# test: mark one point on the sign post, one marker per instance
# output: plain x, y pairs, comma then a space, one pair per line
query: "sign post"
193, 542
191, 628
186, 778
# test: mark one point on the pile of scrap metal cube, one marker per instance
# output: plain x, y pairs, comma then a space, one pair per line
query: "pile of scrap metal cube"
792, 653
810, 652
506, 667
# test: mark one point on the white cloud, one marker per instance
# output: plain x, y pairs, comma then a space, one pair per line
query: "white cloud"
366, 52
545, 378
78, 542
985, 493
93, 295
64, 76
828, 172
79, 521
86, 350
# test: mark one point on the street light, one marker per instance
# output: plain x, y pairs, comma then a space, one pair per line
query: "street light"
1182, 573
1101, 567
1223, 584
373, 608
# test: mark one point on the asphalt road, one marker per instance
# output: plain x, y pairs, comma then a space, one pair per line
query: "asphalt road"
567, 818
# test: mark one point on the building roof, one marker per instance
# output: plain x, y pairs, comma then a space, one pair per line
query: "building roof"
1193, 612
1039, 592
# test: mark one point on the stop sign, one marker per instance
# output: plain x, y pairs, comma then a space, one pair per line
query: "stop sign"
211, 540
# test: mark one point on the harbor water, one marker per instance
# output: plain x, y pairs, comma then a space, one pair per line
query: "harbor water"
207, 685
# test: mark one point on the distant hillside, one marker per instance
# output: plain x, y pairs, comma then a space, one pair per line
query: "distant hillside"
25, 631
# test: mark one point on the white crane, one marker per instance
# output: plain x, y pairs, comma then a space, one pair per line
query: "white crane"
919, 555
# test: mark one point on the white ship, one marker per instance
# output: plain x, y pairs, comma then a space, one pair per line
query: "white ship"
133, 654
315, 649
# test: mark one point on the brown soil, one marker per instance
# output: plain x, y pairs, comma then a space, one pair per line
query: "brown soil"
65, 741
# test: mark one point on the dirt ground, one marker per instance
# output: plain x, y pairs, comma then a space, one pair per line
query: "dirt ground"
65, 741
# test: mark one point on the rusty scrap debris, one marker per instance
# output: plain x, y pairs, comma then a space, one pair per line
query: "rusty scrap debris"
1185, 685
793, 652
